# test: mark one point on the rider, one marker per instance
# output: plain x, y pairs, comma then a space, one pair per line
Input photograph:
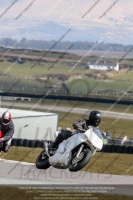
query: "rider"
7, 130
93, 120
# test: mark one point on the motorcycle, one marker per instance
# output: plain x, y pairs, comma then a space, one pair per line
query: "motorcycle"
73, 153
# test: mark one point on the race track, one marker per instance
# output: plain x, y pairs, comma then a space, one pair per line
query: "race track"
22, 173
71, 109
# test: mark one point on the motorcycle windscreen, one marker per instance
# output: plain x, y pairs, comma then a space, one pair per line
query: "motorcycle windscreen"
95, 137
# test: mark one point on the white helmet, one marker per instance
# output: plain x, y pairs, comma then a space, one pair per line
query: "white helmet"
6, 118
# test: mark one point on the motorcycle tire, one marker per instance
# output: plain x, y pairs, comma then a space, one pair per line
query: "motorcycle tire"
42, 164
81, 163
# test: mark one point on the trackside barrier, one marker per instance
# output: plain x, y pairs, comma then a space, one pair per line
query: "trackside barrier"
115, 141
39, 144
117, 149
69, 98
27, 143
128, 143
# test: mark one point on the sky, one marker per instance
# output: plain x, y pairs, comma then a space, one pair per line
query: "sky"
51, 19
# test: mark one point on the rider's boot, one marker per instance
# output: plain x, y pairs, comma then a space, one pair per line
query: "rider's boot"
57, 141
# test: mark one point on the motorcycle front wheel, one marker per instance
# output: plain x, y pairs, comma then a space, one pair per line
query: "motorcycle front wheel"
77, 164
42, 161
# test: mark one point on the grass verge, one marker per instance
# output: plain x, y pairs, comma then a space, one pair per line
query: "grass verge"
100, 163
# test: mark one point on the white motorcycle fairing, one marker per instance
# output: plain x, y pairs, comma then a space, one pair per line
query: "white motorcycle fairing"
63, 154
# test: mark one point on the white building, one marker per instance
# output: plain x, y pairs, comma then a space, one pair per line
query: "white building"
106, 66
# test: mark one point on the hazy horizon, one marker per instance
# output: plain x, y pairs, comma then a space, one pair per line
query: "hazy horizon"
107, 21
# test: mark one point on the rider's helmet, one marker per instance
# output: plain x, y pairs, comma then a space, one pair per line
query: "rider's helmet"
6, 118
94, 118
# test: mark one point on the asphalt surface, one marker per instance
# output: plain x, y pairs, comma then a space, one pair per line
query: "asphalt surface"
22, 173
54, 108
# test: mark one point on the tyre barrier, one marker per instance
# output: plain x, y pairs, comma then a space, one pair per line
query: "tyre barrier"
124, 149
39, 144
27, 143
117, 149
108, 148
20, 142
130, 149
14, 142
32, 143
113, 148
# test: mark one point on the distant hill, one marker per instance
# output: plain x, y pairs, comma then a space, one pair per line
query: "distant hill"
61, 45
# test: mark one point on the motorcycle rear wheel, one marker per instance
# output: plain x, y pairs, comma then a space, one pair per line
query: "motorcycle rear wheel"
42, 162
80, 164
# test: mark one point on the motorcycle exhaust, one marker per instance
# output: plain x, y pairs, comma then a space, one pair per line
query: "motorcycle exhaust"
46, 148
79, 151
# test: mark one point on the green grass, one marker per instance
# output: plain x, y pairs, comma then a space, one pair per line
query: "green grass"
76, 85
61, 68
22, 154
27, 70
119, 128
23, 82
80, 86
128, 76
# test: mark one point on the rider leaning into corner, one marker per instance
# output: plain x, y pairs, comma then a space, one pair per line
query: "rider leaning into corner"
6, 131
93, 120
